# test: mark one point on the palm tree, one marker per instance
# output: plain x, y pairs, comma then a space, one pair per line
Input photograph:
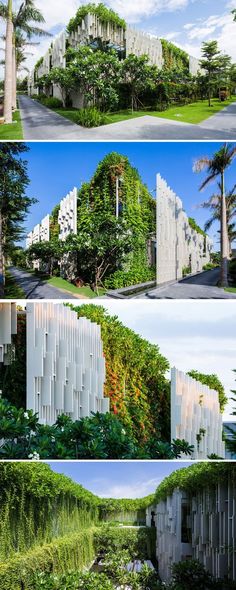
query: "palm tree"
214, 204
216, 165
17, 23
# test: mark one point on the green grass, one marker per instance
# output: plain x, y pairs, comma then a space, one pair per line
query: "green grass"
12, 289
79, 291
13, 131
230, 289
192, 113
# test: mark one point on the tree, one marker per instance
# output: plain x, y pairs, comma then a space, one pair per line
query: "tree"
210, 63
47, 253
214, 204
139, 75
234, 14
101, 245
14, 204
216, 165
63, 78
18, 22
95, 73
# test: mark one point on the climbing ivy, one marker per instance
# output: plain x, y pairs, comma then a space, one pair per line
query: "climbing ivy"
193, 224
135, 376
195, 478
136, 208
174, 57
214, 383
105, 15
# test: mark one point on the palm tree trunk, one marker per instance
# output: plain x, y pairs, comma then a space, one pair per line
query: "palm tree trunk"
14, 74
8, 67
224, 237
1, 260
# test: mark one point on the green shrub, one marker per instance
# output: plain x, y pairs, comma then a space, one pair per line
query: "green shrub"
67, 553
90, 117
191, 574
209, 266
52, 102
186, 270
140, 542
122, 278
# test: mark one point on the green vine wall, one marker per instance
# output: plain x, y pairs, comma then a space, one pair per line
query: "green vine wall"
105, 15
137, 208
135, 377
174, 57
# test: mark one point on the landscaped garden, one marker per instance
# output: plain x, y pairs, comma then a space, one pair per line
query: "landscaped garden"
56, 535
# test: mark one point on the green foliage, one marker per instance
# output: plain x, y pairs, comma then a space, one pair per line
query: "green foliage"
138, 75
73, 581
90, 117
135, 377
122, 278
210, 266
191, 574
38, 63
105, 15
195, 478
13, 376
139, 542
27, 571
47, 253
193, 224
214, 383
174, 57
51, 102
232, 270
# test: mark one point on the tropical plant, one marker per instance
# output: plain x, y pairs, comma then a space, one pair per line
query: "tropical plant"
14, 204
213, 382
22, 21
138, 75
217, 165
105, 15
191, 574
48, 254
214, 204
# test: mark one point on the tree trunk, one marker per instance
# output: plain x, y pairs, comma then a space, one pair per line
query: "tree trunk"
8, 67
1, 260
209, 91
14, 76
224, 237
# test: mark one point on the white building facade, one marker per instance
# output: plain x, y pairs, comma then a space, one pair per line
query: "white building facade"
196, 416
198, 526
67, 215
125, 41
8, 328
179, 246
65, 363
40, 233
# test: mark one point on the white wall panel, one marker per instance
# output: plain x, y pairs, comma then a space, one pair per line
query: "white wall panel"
65, 363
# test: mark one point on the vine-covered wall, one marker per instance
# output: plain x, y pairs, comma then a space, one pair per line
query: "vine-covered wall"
136, 207
174, 57
13, 376
135, 376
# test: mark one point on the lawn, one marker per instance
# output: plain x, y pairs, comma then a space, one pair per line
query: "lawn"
13, 131
85, 291
230, 289
12, 289
192, 113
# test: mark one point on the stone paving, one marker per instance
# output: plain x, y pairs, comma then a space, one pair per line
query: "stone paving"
41, 123
200, 286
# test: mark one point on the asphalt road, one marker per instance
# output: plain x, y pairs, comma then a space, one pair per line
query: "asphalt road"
35, 288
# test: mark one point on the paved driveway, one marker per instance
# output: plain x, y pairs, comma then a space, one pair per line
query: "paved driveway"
35, 288
40, 123
200, 286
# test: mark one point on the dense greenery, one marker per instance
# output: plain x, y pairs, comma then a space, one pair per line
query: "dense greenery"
174, 57
101, 436
193, 224
105, 15
14, 203
195, 478
214, 383
111, 245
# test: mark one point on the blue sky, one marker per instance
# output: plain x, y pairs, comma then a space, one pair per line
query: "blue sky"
120, 479
55, 168
185, 22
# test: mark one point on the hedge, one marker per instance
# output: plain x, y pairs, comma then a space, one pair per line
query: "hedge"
67, 553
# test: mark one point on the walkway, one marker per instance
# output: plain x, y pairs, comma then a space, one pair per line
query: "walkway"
200, 286
40, 123
35, 288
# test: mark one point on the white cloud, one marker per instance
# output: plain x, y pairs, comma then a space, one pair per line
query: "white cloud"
137, 489
136, 11
217, 27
